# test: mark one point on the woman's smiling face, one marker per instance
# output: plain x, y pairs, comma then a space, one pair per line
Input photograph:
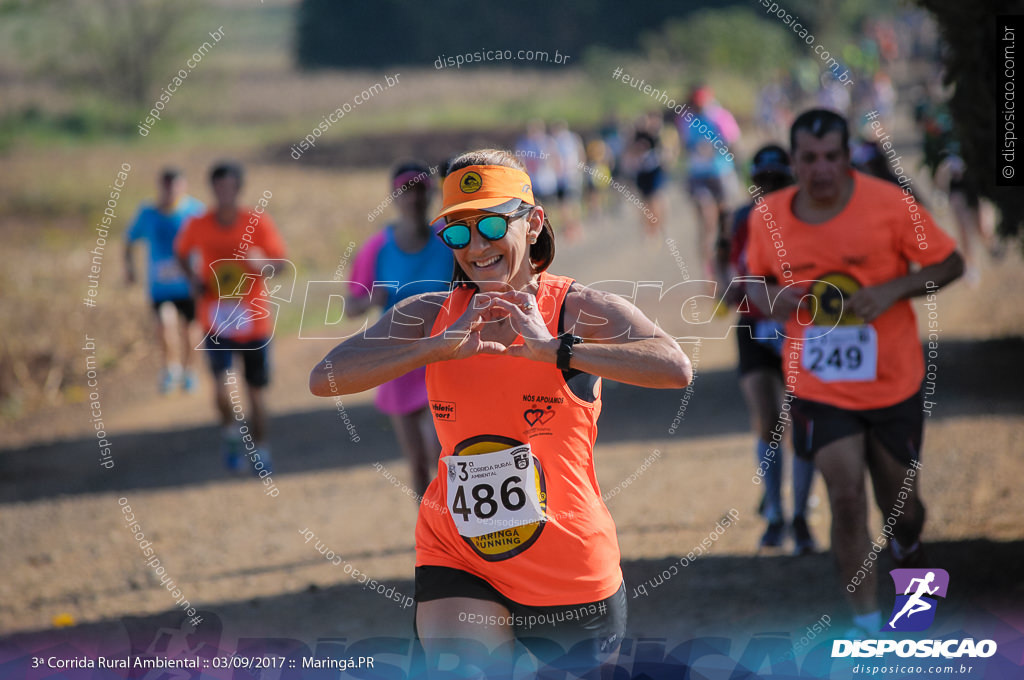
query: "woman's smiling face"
493, 264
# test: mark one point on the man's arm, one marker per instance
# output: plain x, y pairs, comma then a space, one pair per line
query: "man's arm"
131, 236
194, 281
129, 263
871, 302
777, 302
183, 252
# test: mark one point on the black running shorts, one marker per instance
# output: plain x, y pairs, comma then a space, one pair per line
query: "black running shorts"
899, 427
185, 306
601, 624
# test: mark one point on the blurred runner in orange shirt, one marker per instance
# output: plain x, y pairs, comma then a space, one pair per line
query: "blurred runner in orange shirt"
844, 253
227, 253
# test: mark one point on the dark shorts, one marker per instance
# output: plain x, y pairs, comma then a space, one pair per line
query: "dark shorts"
959, 184
650, 181
185, 306
255, 358
567, 191
707, 185
600, 625
899, 428
755, 354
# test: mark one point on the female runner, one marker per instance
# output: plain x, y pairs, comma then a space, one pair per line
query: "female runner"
513, 539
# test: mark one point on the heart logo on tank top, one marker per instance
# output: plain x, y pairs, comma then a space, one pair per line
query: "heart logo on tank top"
537, 415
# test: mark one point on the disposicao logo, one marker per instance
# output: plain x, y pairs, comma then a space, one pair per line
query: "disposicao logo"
914, 610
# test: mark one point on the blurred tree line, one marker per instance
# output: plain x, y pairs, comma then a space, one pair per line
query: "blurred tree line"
390, 32
119, 48
107, 60
736, 33
973, 55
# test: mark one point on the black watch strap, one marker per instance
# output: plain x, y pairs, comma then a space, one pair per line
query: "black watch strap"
566, 341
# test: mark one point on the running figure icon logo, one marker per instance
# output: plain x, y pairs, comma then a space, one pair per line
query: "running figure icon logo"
916, 593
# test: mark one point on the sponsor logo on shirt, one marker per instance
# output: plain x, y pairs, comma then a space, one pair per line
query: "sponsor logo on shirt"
443, 410
542, 399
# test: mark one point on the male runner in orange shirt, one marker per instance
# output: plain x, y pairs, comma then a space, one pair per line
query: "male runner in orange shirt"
226, 253
837, 251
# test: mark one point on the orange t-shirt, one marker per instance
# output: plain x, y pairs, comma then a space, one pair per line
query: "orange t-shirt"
873, 240
232, 303
488, 408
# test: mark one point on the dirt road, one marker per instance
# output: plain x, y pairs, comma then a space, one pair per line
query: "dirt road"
240, 555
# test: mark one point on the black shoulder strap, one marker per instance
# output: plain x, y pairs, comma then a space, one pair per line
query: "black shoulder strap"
561, 312
583, 385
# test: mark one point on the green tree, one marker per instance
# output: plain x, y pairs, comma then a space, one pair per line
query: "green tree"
123, 49
971, 59
735, 39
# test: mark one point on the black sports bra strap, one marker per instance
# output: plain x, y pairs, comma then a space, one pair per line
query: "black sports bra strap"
583, 385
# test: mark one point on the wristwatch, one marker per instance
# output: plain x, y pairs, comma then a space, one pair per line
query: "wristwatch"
566, 341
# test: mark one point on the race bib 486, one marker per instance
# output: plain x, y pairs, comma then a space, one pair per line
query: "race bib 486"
490, 492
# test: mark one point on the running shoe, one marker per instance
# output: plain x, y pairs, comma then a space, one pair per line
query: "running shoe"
972, 276
263, 454
803, 541
167, 380
998, 249
912, 559
773, 534
189, 381
231, 450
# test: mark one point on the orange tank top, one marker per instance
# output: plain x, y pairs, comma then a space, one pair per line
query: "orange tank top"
516, 501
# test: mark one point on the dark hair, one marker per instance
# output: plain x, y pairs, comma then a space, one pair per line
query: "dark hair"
819, 122
643, 136
409, 166
227, 169
447, 164
773, 181
542, 253
169, 174
771, 169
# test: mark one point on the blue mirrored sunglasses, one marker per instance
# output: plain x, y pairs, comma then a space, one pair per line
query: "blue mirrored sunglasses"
457, 235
